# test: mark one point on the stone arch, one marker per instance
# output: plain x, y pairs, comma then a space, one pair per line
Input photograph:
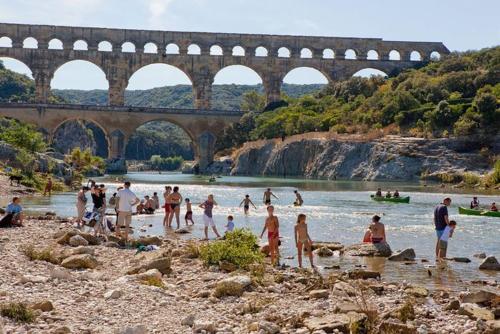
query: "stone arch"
194, 49
5, 42
67, 120
238, 51
55, 44
328, 54
237, 67
216, 50
30, 43
105, 46
231, 75
80, 45
435, 56
306, 53
128, 47
78, 67
394, 55
261, 51
372, 55
313, 75
172, 48
129, 149
415, 56
150, 47
370, 72
350, 54
284, 52
16, 65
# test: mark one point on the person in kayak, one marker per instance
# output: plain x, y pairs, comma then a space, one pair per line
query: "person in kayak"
396, 194
441, 220
493, 207
388, 194
379, 192
475, 203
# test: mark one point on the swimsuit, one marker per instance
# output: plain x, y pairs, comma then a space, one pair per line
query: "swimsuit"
246, 207
377, 240
268, 201
168, 207
189, 215
303, 241
173, 205
273, 235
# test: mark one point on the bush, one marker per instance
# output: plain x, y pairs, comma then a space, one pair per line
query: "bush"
169, 163
471, 178
239, 247
17, 312
21, 135
493, 178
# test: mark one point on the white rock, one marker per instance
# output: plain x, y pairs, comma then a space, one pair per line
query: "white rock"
78, 240
113, 294
32, 279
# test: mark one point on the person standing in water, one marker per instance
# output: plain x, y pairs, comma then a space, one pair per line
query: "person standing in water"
156, 200
302, 239
246, 204
167, 206
175, 200
189, 212
441, 220
298, 199
273, 235
267, 196
48, 187
208, 219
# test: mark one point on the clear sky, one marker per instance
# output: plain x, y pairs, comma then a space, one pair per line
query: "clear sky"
460, 24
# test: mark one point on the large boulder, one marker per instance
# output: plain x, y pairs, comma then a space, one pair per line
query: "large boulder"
478, 297
44, 306
160, 260
64, 236
232, 286
405, 255
475, 312
363, 274
490, 263
368, 249
77, 240
323, 252
91, 239
81, 261
146, 241
333, 246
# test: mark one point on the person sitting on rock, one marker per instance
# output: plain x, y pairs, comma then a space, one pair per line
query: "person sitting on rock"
396, 194
13, 214
379, 192
375, 232
388, 194
493, 207
475, 203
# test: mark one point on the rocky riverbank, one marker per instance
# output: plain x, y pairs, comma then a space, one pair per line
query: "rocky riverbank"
96, 287
327, 156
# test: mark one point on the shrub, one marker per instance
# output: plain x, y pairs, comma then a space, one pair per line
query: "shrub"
239, 247
407, 311
45, 254
471, 178
192, 250
493, 178
17, 312
228, 289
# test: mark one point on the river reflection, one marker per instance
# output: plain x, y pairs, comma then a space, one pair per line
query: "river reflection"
336, 211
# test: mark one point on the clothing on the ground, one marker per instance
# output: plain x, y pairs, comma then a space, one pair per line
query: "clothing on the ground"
127, 199
439, 213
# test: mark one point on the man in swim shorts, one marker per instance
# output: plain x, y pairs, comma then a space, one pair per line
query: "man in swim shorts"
246, 204
267, 196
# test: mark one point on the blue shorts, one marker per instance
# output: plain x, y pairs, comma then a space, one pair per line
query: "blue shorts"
439, 233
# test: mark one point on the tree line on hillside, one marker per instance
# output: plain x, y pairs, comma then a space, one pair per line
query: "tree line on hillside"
458, 96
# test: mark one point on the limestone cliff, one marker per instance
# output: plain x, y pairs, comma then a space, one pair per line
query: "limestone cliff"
325, 156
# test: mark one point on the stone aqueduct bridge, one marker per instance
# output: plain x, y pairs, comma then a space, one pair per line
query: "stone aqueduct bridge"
270, 56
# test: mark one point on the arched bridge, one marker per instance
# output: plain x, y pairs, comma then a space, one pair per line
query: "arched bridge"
122, 52
119, 123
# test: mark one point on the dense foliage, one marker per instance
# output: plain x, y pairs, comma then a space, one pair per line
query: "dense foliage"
239, 247
168, 163
458, 95
22, 136
226, 97
84, 162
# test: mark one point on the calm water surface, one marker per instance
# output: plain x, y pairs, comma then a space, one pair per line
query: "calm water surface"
336, 211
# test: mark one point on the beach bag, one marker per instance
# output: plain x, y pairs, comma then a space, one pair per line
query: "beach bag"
90, 218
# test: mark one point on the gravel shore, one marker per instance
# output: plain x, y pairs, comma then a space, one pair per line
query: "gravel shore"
113, 294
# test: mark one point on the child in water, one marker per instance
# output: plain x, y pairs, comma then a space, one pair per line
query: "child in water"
189, 212
443, 241
246, 204
230, 224
302, 239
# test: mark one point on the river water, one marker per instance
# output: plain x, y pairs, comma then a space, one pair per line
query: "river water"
336, 211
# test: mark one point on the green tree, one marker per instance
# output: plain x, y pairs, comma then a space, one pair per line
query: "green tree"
253, 101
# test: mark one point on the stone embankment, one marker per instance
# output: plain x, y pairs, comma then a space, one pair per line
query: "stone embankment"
326, 156
96, 286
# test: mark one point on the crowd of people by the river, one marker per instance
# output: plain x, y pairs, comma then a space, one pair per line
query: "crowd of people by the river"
124, 203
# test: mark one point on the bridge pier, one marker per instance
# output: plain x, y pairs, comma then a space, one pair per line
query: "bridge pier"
202, 92
42, 85
272, 88
206, 150
116, 163
116, 92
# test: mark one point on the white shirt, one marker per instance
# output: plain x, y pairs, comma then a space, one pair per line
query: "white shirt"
446, 233
127, 199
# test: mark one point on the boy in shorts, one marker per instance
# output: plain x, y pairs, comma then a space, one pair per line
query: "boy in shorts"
189, 212
443, 241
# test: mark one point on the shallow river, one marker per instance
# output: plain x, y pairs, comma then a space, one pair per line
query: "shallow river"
336, 211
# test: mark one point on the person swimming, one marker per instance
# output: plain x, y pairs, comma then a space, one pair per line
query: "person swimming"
298, 199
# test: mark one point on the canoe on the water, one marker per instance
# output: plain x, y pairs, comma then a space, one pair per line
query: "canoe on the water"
391, 199
474, 212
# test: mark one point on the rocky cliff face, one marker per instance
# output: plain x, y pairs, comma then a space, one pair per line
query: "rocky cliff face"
74, 134
389, 158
